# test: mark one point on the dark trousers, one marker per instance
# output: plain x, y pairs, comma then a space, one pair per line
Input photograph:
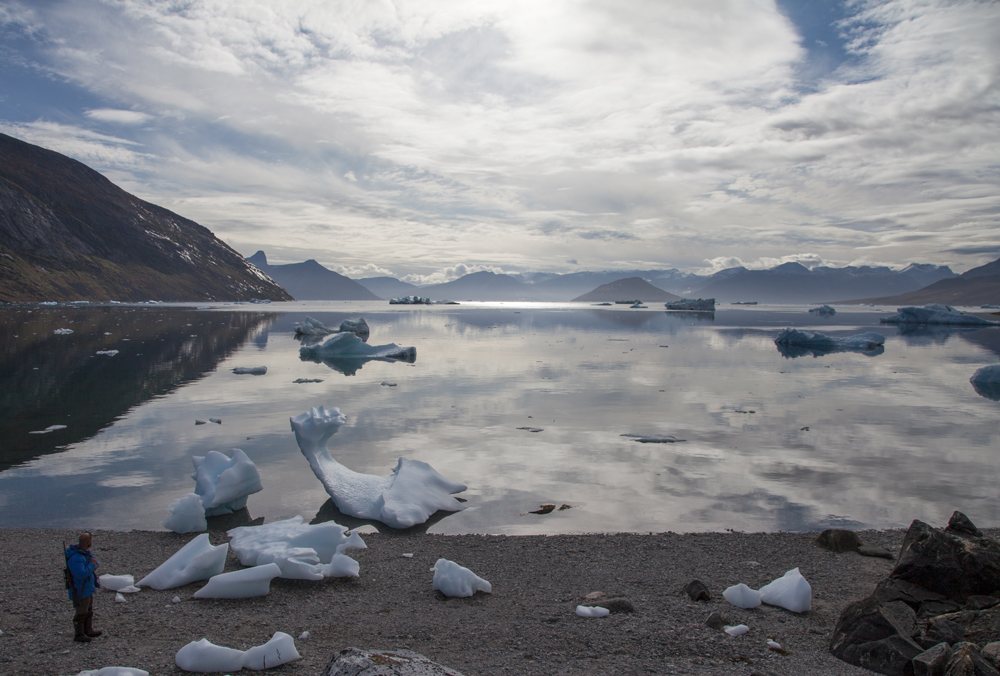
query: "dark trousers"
83, 608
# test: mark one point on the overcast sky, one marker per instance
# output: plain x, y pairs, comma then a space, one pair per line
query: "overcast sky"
429, 138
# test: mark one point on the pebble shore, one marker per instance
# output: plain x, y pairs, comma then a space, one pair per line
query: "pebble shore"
526, 626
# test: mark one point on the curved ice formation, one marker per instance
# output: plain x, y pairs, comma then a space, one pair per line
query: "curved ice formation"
197, 560
935, 313
224, 483
986, 381
313, 327
742, 596
207, 658
118, 583
820, 341
410, 495
301, 551
452, 579
790, 591
692, 304
279, 650
823, 311
187, 515
240, 584
347, 345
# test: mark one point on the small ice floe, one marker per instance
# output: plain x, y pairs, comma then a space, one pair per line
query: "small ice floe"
386, 383
113, 671
935, 313
737, 630
823, 311
299, 381
118, 583
63, 332
224, 483
592, 611
653, 438
197, 560
50, 428
250, 370
408, 555
301, 551
200, 422
790, 591
794, 343
119, 598
742, 596
303, 636
109, 353
419, 300
217, 421
409, 496
452, 579
692, 304
240, 584
986, 381
187, 515
532, 429
638, 306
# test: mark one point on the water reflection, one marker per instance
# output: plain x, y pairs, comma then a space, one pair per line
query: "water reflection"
988, 390
795, 351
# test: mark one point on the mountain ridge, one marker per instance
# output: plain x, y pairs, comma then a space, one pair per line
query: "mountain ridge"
309, 280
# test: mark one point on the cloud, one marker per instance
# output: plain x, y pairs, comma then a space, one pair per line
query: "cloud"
810, 260
450, 274
362, 271
118, 116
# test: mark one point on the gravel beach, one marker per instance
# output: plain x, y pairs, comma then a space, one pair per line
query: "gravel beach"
526, 626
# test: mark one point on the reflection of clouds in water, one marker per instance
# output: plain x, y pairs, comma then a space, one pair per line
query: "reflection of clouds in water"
130, 480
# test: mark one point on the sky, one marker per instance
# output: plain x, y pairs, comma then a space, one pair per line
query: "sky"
426, 139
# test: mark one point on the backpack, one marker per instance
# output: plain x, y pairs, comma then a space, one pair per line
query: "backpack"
68, 576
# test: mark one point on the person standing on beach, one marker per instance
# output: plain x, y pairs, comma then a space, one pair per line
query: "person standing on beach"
83, 585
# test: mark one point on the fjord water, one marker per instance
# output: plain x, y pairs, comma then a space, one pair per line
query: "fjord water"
772, 442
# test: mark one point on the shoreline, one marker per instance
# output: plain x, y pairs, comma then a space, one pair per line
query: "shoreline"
526, 626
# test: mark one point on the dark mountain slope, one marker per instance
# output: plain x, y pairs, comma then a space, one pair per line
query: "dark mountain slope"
389, 287
632, 288
486, 286
978, 286
68, 233
311, 281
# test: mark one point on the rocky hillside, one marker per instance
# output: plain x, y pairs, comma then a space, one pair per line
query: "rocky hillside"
978, 286
632, 288
68, 233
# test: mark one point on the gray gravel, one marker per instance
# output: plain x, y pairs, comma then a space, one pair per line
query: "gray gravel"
526, 626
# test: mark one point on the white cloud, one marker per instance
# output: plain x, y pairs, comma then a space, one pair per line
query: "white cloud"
719, 263
450, 274
117, 116
362, 271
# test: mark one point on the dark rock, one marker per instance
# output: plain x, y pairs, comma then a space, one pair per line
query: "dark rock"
837, 540
947, 629
932, 661
966, 660
358, 662
935, 608
985, 627
976, 602
717, 621
875, 551
901, 590
697, 591
960, 524
991, 652
619, 604
876, 637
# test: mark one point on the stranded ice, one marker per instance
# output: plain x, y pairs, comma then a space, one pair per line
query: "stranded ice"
790, 591
934, 313
409, 496
205, 657
114, 671
452, 579
592, 611
240, 584
279, 650
187, 515
118, 583
224, 483
197, 560
692, 304
301, 551
738, 630
742, 596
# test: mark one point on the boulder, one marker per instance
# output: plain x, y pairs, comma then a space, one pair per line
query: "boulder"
932, 662
697, 591
358, 662
838, 540
966, 660
876, 636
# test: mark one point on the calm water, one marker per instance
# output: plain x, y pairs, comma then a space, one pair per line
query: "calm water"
772, 442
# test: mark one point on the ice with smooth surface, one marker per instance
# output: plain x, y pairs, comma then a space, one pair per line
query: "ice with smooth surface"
452, 579
224, 483
790, 591
197, 560
279, 650
935, 313
118, 583
347, 345
114, 671
987, 374
250, 370
300, 550
409, 496
592, 611
119, 598
823, 311
187, 515
742, 596
737, 630
820, 341
312, 327
205, 657
240, 584
692, 304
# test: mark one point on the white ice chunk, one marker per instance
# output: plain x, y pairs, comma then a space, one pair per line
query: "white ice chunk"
773, 645
823, 311
313, 327
197, 560
50, 428
187, 515
224, 483
303, 636
206, 658
279, 650
176, 599
934, 313
118, 583
63, 332
821, 341
692, 304
790, 591
250, 370
410, 495
119, 598
110, 353
114, 671
738, 630
592, 611
300, 550
452, 579
240, 584
348, 346
742, 596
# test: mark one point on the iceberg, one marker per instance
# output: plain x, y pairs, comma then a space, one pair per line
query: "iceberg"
224, 483
240, 584
935, 313
187, 515
301, 551
250, 370
692, 304
279, 650
118, 583
207, 658
313, 327
742, 596
197, 560
345, 352
795, 343
452, 579
986, 381
823, 311
409, 496
791, 591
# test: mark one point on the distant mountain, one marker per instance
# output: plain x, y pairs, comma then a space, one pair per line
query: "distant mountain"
795, 283
388, 287
68, 233
632, 288
487, 286
555, 287
978, 286
311, 281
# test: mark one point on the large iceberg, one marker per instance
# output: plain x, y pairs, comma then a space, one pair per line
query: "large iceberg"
935, 313
986, 381
452, 579
301, 551
197, 560
313, 327
692, 304
224, 483
795, 343
823, 311
240, 584
345, 352
410, 495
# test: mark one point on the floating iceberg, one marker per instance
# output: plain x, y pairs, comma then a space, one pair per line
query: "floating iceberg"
250, 370
452, 579
419, 300
207, 658
224, 483
410, 495
197, 560
790, 591
742, 596
301, 551
935, 313
692, 304
118, 583
187, 515
240, 584
795, 343
345, 352
592, 611
986, 381
313, 327
823, 311
109, 353
63, 332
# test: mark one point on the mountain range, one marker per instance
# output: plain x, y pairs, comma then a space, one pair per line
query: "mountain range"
978, 286
311, 281
630, 288
68, 233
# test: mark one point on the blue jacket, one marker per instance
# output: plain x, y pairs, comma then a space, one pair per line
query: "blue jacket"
84, 579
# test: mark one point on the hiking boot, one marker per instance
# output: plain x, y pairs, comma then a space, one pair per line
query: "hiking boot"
88, 626
80, 635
